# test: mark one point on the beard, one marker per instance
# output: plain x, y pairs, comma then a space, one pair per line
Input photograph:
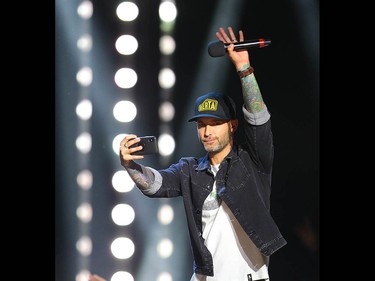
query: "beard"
219, 144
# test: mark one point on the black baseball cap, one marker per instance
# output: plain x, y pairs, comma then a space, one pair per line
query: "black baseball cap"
216, 105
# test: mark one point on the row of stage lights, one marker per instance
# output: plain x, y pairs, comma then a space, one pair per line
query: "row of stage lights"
125, 111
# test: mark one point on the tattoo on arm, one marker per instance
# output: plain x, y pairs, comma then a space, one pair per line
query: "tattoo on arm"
141, 179
251, 94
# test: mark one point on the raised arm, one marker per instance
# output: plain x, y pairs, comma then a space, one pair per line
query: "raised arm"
250, 90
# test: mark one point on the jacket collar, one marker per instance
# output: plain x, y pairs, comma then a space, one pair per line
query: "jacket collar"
204, 162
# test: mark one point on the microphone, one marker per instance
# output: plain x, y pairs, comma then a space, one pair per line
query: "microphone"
218, 48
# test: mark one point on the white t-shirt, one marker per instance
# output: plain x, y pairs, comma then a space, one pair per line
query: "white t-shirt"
234, 255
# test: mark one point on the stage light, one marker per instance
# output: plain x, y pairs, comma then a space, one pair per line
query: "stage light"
127, 11
124, 111
122, 248
84, 109
126, 78
126, 44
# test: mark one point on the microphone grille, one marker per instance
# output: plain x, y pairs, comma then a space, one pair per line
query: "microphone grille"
216, 49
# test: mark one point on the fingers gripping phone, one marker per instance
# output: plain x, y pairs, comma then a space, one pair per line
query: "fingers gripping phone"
149, 144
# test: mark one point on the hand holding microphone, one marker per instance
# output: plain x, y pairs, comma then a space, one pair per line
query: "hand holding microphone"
218, 48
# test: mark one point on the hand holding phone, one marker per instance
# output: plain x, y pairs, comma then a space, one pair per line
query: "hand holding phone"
149, 144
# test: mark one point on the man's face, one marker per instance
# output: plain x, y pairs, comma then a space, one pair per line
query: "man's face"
215, 134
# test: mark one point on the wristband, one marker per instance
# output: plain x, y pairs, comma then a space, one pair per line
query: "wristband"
246, 72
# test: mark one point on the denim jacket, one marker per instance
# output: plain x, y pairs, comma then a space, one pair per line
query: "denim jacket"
243, 183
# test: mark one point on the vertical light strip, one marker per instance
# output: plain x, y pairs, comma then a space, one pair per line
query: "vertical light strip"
166, 78
122, 246
83, 140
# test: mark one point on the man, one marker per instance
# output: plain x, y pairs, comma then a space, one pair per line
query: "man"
226, 193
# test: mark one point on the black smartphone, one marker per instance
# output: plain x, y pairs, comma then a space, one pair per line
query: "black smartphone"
149, 144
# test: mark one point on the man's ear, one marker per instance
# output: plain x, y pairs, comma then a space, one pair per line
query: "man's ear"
233, 125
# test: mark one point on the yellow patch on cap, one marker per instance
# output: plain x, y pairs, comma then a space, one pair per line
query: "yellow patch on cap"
208, 105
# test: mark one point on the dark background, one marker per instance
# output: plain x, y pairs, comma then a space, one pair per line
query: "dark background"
288, 75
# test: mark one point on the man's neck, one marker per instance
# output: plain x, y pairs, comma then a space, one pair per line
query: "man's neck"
217, 157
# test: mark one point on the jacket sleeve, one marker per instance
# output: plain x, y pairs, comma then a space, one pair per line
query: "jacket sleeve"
259, 138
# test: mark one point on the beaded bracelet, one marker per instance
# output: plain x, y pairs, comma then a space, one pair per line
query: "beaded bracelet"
246, 72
